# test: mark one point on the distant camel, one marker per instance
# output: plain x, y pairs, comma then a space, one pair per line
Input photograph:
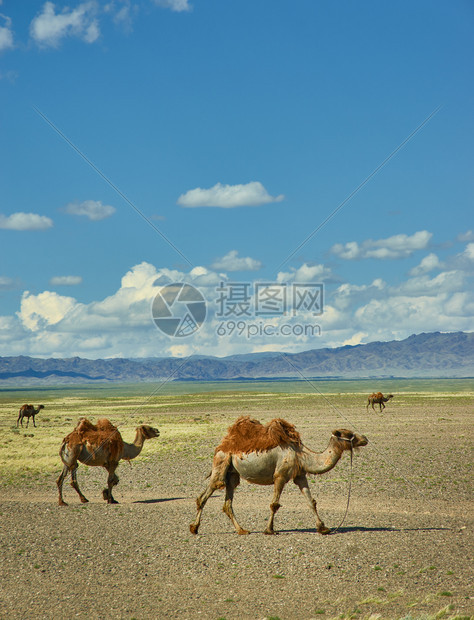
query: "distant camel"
270, 454
28, 411
98, 445
379, 398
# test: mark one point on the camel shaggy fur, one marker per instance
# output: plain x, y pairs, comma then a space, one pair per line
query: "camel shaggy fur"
378, 398
100, 445
266, 455
28, 411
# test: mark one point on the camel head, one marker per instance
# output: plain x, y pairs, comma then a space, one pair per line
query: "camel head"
389, 396
147, 432
40, 407
347, 440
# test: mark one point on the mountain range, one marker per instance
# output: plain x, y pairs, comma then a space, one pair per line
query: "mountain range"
422, 355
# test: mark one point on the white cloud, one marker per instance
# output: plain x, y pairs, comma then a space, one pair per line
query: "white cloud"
233, 262
305, 273
93, 209
174, 5
398, 246
65, 280
355, 339
121, 325
25, 221
6, 34
49, 28
228, 196
48, 308
427, 264
469, 251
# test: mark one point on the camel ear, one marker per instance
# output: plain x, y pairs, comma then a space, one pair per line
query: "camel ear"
337, 434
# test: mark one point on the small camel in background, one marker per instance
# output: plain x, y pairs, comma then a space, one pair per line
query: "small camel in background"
380, 399
272, 454
28, 411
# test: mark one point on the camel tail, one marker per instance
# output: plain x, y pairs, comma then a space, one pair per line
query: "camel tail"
61, 451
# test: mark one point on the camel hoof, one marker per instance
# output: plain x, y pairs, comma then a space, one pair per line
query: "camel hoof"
324, 530
242, 532
84, 500
193, 529
62, 503
270, 532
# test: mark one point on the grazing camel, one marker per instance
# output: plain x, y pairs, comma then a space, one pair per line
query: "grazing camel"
270, 454
28, 411
378, 397
98, 445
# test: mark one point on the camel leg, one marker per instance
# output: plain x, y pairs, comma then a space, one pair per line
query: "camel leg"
112, 481
217, 480
59, 482
278, 486
34, 422
231, 483
200, 503
18, 421
302, 483
75, 486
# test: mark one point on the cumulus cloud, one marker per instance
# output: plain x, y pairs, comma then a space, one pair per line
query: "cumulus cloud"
233, 262
6, 33
398, 246
93, 209
48, 308
427, 264
65, 280
175, 5
228, 196
121, 324
49, 28
25, 221
469, 251
305, 273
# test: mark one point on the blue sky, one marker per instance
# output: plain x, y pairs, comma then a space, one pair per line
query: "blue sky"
234, 129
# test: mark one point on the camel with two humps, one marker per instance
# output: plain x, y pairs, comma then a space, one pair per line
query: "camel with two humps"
98, 445
272, 454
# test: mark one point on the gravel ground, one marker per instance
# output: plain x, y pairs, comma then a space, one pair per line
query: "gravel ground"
402, 552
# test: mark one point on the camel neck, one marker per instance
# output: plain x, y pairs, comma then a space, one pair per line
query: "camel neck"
132, 450
321, 462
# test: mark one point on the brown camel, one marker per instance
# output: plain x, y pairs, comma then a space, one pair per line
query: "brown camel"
270, 454
98, 445
28, 411
378, 397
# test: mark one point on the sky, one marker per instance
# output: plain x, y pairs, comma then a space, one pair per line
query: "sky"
209, 177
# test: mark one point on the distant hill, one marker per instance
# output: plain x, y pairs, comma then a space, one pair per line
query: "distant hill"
422, 355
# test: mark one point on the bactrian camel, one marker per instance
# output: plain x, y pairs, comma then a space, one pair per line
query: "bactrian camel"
266, 455
379, 398
28, 411
98, 445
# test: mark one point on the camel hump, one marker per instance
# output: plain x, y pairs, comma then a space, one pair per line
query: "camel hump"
249, 435
103, 433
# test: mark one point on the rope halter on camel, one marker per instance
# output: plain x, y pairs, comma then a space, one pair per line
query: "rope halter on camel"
334, 530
